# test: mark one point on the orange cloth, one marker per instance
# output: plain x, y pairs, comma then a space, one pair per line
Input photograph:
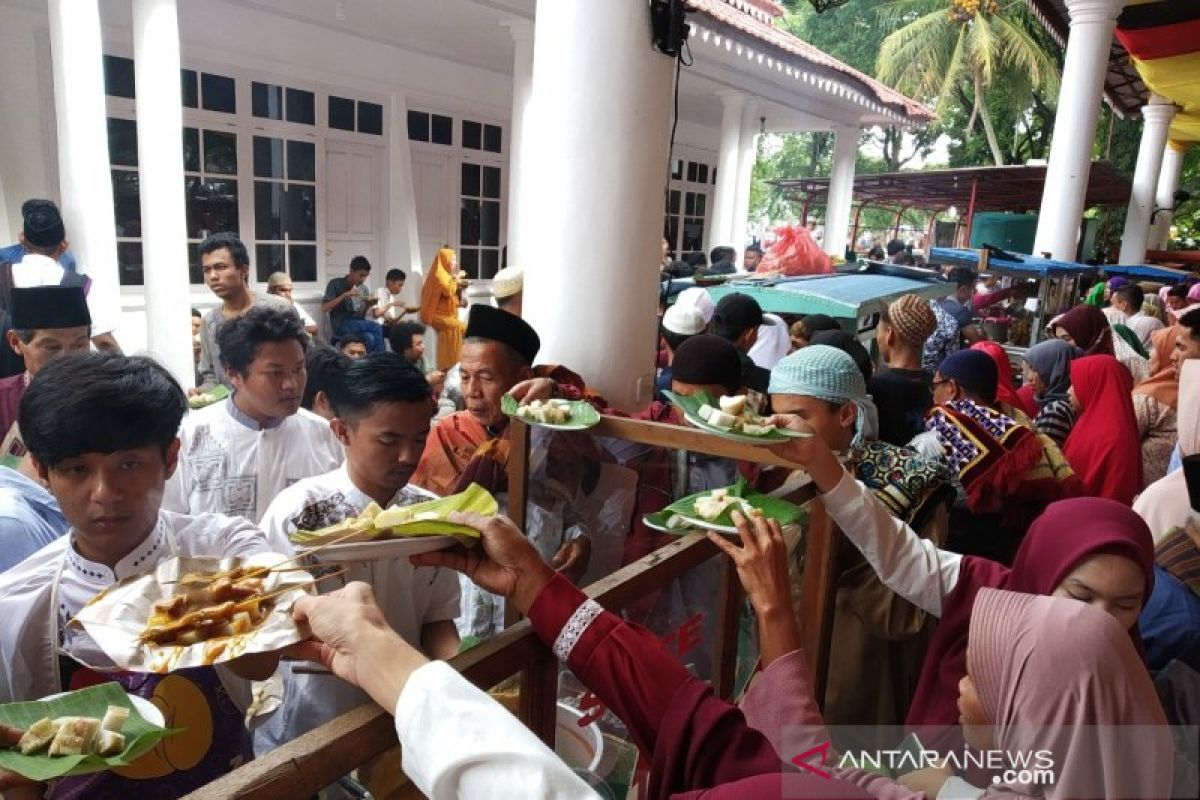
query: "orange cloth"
451, 446
439, 308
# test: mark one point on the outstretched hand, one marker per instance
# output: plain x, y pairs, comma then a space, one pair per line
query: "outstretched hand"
504, 563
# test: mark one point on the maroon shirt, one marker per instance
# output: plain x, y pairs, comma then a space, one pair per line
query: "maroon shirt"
12, 389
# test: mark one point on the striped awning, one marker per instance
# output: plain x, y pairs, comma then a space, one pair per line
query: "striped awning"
1162, 38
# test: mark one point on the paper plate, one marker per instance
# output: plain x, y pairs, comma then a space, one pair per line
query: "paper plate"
583, 415
383, 549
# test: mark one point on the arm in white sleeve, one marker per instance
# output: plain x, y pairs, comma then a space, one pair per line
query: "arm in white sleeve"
458, 742
912, 567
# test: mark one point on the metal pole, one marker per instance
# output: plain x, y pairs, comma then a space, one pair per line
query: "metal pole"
857, 214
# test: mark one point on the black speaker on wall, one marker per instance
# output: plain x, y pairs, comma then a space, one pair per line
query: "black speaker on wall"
667, 18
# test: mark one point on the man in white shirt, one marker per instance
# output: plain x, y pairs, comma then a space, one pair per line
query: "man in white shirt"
238, 454
101, 433
1128, 300
382, 409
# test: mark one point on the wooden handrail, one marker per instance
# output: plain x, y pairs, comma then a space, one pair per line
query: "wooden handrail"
321, 756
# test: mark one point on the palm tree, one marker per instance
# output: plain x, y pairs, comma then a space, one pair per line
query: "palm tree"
945, 46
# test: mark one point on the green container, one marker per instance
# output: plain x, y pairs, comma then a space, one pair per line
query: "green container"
1011, 232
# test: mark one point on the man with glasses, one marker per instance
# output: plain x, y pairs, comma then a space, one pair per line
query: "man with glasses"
280, 285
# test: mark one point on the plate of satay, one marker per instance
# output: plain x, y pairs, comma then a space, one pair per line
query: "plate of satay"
78, 733
554, 414
398, 531
198, 611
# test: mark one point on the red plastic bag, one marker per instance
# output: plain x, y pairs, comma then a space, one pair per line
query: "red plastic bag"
794, 252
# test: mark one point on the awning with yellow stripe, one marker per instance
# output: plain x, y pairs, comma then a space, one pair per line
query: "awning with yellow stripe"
1162, 38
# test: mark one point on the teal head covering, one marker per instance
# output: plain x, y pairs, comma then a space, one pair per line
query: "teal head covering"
825, 373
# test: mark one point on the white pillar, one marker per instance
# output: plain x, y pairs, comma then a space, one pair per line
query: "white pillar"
747, 155
841, 191
602, 97
519, 155
1156, 122
725, 196
82, 130
1164, 196
403, 245
160, 158
1092, 23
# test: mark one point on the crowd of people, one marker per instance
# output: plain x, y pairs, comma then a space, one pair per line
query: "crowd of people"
1018, 571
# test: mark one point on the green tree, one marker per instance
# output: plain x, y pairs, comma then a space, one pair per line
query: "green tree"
951, 53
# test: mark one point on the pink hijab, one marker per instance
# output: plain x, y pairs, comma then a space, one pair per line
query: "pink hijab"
1055, 674
1165, 505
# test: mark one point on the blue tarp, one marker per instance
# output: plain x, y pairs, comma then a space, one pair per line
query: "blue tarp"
1028, 266
1147, 272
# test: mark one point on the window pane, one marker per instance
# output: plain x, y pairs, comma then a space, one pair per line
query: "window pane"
693, 234
442, 130
673, 202
300, 212
692, 167
491, 138
491, 182
671, 231
212, 206
689, 204
702, 173
217, 93
301, 161
470, 180
268, 158
268, 258
302, 262
341, 113
127, 208
122, 142
489, 263
714, 176
266, 100
489, 224
468, 259
370, 118
268, 210
129, 263
472, 135
191, 150
469, 222
418, 126
194, 273
220, 152
189, 87
677, 169
118, 76
301, 107
701, 201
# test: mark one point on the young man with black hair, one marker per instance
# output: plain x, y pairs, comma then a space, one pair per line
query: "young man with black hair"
225, 264
101, 430
324, 365
353, 346
382, 410
1128, 300
1176, 299
390, 307
752, 257
736, 320
348, 302
237, 454
38, 263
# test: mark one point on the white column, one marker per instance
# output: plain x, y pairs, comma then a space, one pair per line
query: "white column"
725, 196
160, 158
747, 155
522, 115
1164, 196
1156, 122
841, 191
1092, 23
602, 98
83, 172
403, 245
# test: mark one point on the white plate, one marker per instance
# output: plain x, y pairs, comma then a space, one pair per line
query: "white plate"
382, 549
145, 708
704, 525
654, 526
745, 438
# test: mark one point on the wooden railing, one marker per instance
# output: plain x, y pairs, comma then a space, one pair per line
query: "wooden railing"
318, 758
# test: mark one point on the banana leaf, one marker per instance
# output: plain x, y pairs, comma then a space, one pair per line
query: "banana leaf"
583, 415
140, 735
690, 406
213, 395
782, 511
397, 522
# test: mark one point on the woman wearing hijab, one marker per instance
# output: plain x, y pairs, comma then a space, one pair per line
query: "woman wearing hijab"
803, 329
1048, 372
439, 307
1154, 406
1104, 448
1164, 505
1006, 392
1087, 328
1033, 674
1095, 550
